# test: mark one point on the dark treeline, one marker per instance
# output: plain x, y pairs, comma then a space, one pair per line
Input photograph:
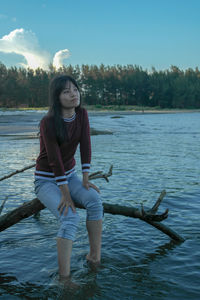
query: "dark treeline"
104, 85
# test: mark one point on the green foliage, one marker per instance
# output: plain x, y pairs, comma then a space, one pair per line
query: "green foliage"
114, 87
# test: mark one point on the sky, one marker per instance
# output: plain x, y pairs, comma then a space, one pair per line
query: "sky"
146, 33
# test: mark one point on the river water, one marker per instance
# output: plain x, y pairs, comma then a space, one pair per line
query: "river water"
149, 153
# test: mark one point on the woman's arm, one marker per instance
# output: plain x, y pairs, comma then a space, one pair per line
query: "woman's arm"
85, 143
85, 149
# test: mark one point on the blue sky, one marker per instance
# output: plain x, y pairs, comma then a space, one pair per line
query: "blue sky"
148, 33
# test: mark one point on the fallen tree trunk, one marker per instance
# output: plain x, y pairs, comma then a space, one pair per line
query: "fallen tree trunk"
34, 206
149, 216
96, 175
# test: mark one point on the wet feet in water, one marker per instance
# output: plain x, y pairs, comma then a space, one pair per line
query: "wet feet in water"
68, 283
94, 264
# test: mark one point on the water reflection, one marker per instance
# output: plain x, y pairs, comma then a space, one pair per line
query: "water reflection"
132, 275
161, 251
84, 289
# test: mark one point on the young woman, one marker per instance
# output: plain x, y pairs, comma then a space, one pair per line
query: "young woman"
56, 184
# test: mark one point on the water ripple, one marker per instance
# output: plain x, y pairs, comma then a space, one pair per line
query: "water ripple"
149, 153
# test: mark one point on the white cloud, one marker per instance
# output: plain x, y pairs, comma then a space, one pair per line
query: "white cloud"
59, 57
25, 43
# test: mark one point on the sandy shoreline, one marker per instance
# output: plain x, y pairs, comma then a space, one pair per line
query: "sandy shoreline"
30, 131
114, 111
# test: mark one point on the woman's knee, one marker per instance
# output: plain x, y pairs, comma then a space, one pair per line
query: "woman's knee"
94, 207
69, 224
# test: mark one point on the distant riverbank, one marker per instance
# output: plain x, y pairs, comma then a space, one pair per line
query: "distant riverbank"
113, 109
136, 109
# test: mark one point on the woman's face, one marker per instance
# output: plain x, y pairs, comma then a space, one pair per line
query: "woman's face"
70, 96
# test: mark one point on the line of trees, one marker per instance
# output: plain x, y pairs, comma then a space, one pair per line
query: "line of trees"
104, 85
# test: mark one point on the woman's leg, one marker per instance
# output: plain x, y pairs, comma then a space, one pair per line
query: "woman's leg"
94, 229
64, 249
91, 200
49, 194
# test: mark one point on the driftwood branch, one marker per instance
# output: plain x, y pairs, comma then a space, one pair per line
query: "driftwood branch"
3, 203
95, 175
100, 174
16, 172
34, 206
150, 215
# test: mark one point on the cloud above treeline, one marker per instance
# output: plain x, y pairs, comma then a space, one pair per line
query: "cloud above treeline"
59, 57
25, 43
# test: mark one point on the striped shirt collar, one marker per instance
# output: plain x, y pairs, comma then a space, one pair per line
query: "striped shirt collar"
70, 119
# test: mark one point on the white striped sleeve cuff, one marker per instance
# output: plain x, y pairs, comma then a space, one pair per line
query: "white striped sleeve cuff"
85, 168
61, 180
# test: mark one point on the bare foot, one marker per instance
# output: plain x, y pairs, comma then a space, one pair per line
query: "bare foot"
66, 281
91, 260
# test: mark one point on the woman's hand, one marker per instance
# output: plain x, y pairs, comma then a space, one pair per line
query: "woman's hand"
66, 200
88, 184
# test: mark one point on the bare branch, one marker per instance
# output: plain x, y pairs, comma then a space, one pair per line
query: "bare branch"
150, 214
3, 203
95, 175
100, 174
34, 206
16, 172
156, 205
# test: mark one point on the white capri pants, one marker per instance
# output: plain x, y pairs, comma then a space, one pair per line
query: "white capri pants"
48, 192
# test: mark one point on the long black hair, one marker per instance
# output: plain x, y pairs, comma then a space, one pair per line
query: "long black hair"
56, 86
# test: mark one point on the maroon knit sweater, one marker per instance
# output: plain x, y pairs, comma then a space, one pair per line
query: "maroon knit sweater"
57, 161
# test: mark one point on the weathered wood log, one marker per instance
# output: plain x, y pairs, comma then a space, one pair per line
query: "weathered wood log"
34, 206
95, 175
23, 211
